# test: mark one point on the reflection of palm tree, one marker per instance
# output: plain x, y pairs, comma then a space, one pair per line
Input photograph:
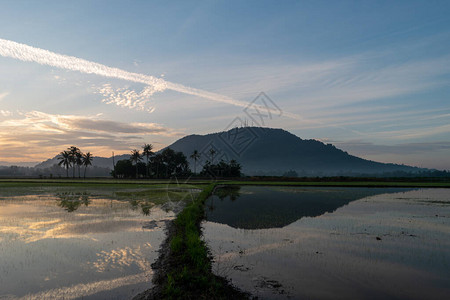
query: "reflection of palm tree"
232, 192
64, 159
136, 158
146, 206
195, 155
147, 152
87, 161
72, 201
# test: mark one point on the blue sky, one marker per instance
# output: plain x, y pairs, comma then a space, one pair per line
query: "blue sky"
371, 77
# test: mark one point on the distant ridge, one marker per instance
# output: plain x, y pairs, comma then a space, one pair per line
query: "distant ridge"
98, 161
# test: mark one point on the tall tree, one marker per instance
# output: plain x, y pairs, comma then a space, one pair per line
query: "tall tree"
212, 152
73, 151
87, 161
195, 156
136, 157
147, 152
79, 161
65, 160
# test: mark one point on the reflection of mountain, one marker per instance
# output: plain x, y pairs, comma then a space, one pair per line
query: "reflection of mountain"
272, 207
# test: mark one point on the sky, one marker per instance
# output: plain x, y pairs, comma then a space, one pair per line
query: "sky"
370, 77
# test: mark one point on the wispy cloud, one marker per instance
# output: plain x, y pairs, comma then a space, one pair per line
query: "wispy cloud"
423, 154
3, 95
27, 53
369, 148
125, 97
51, 133
5, 113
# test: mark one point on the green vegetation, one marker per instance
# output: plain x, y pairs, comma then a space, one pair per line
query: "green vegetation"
73, 157
222, 169
162, 165
189, 275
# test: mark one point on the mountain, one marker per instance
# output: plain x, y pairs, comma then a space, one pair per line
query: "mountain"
97, 161
19, 164
269, 151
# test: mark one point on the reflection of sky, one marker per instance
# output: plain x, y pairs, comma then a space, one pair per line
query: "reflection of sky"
47, 252
337, 254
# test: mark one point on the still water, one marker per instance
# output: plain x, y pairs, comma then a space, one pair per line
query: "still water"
68, 244
332, 243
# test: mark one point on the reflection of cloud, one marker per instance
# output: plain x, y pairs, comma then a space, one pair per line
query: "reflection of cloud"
32, 221
87, 289
120, 258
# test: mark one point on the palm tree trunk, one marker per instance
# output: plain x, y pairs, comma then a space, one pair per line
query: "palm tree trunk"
84, 175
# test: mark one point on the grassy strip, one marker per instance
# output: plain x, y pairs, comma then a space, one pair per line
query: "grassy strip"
189, 275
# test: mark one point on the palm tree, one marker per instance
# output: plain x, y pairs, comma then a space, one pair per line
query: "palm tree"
147, 152
87, 161
136, 157
73, 151
65, 160
212, 152
195, 155
79, 161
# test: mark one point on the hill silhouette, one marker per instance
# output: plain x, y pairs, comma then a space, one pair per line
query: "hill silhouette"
97, 161
269, 151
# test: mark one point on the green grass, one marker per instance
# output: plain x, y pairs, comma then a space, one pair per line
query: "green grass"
191, 276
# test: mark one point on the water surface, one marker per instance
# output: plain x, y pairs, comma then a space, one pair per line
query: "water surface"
62, 243
379, 243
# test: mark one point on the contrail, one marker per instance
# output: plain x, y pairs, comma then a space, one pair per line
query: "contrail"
44, 57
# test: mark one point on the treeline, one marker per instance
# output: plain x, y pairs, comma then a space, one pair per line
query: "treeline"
157, 165
75, 159
168, 163
54, 171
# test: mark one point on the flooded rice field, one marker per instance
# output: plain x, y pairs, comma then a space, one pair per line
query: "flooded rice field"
63, 243
332, 243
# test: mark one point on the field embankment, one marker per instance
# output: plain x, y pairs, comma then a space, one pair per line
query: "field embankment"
183, 269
